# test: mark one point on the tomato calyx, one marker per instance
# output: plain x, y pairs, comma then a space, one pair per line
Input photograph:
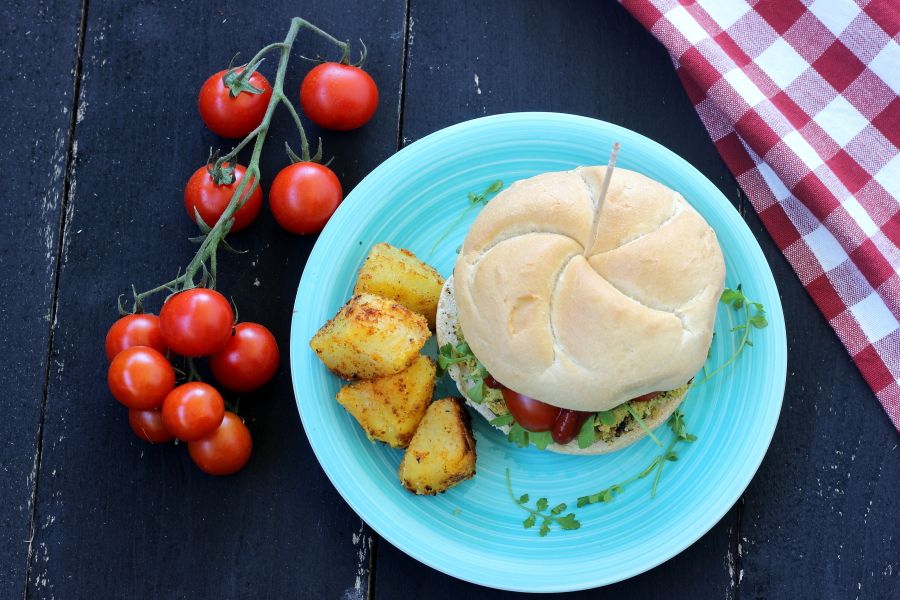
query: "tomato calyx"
363, 55
304, 154
237, 80
221, 172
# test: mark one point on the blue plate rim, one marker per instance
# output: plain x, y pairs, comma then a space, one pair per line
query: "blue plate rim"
774, 314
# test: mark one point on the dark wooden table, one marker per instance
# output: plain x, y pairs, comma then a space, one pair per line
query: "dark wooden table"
99, 133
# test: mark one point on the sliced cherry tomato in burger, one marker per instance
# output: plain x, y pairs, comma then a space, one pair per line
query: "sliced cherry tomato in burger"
148, 425
140, 377
134, 330
248, 360
196, 322
192, 411
230, 109
338, 96
531, 414
224, 451
210, 199
303, 197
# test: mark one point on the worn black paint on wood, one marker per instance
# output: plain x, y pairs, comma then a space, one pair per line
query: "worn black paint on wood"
121, 519
38, 53
124, 519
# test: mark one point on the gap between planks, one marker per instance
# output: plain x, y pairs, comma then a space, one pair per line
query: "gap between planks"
54, 292
404, 64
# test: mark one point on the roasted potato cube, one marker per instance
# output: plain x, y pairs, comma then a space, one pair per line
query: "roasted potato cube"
397, 274
370, 337
442, 451
389, 408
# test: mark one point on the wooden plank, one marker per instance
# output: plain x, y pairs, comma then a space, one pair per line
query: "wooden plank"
821, 518
121, 518
576, 57
38, 46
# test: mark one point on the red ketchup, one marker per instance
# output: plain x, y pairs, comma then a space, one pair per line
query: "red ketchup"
492, 383
568, 424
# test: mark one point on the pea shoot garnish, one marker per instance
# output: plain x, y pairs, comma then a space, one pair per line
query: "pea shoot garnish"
540, 512
475, 200
676, 424
754, 318
640, 421
448, 354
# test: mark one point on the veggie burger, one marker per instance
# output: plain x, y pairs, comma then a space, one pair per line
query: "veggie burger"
580, 308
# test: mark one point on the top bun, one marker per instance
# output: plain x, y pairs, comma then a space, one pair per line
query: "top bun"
589, 330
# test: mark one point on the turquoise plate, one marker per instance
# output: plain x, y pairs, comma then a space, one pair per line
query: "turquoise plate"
474, 531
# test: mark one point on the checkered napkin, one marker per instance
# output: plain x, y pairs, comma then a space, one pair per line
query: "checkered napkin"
801, 100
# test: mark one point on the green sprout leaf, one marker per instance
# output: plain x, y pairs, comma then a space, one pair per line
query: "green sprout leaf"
518, 435
607, 417
475, 200
502, 420
476, 392
541, 439
759, 321
545, 528
587, 434
567, 522
754, 318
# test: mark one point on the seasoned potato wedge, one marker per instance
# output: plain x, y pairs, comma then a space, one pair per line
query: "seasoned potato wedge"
389, 408
397, 274
442, 451
370, 337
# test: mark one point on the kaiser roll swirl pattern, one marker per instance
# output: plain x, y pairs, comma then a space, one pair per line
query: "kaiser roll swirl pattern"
588, 324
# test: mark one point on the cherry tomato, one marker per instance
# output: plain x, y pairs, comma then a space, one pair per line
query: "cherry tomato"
134, 330
568, 424
531, 414
196, 322
224, 451
148, 425
192, 411
337, 96
140, 377
211, 199
248, 360
303, 197
233, 116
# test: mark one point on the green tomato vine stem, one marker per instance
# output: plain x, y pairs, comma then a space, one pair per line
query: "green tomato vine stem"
215, 234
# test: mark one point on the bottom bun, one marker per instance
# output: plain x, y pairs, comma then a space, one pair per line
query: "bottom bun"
446, 333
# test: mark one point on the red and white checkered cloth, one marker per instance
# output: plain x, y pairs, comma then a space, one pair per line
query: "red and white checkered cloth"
801, 100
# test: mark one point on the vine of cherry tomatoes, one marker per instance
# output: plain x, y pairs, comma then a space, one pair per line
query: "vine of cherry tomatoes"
221, 197
304, 194
196, 322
